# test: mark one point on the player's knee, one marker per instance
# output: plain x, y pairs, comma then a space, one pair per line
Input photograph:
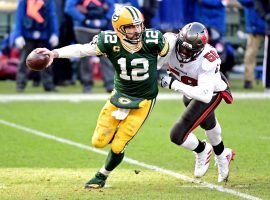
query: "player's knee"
97, 143
102, 136
177, 136
179, 131
209, 125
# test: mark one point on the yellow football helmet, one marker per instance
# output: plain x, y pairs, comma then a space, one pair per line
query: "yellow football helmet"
126, 16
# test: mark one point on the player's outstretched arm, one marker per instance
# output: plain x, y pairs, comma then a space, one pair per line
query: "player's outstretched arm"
202, 92
71, 51
77, 51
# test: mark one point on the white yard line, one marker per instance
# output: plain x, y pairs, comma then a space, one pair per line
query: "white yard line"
131, 161
96, 97
264, 138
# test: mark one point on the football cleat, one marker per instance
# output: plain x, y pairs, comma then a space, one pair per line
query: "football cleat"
98, 181
202, 161
223, 163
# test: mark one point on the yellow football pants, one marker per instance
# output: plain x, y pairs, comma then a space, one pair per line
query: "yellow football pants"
119, 132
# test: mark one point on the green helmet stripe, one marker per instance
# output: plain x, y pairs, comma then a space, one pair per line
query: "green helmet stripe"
131, 12
135, 11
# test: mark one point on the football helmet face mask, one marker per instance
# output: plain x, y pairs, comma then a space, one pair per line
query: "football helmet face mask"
191, 41
131, 19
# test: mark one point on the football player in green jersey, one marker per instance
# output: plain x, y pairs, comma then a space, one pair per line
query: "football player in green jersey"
133, 51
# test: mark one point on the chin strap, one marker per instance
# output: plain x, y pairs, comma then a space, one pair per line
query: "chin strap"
131, 47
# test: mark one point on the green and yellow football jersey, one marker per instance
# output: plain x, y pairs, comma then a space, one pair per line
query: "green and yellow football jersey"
136, 72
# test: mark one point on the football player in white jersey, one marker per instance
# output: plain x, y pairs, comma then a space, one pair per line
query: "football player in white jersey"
193, 67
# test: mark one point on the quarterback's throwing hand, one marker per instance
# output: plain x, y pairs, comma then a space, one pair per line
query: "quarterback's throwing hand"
46, 51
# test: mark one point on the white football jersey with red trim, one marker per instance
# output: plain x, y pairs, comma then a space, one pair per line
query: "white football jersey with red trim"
204, 68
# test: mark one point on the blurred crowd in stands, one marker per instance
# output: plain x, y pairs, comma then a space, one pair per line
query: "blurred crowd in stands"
57, 23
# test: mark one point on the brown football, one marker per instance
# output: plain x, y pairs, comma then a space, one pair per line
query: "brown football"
37, 61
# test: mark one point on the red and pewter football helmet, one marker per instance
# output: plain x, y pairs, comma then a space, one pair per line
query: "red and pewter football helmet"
191, 41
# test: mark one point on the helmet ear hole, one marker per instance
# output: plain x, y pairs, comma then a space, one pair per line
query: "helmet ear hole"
122, 30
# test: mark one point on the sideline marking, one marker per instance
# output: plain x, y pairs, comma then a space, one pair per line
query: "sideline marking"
264, 138
96, 97
131, 161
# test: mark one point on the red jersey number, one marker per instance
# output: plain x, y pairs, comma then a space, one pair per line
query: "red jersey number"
211, 56
189, 81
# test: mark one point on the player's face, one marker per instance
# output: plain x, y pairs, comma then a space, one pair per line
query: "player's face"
133, 32
184, 52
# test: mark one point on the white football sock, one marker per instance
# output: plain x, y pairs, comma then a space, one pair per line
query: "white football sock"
104, 171
191, 142
214, 135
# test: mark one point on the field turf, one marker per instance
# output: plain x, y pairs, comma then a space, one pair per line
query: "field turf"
45, 153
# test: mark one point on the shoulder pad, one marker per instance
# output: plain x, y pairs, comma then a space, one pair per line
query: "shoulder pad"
210, 58
109, 31
152, 35
106, 39
171, 38
110, 36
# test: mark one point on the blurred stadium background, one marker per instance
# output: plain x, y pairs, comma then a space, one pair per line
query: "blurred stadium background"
235, 32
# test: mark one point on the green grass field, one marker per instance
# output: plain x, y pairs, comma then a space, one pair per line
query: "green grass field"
36, 167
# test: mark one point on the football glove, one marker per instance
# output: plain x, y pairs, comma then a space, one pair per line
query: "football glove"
170, 82
166, 82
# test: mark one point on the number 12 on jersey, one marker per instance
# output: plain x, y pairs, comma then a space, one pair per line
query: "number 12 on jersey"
137, 74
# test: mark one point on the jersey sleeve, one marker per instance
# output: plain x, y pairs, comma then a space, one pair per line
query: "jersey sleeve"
106, 40
79, 50
210, 61
101, 48
171, 39
163, 45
